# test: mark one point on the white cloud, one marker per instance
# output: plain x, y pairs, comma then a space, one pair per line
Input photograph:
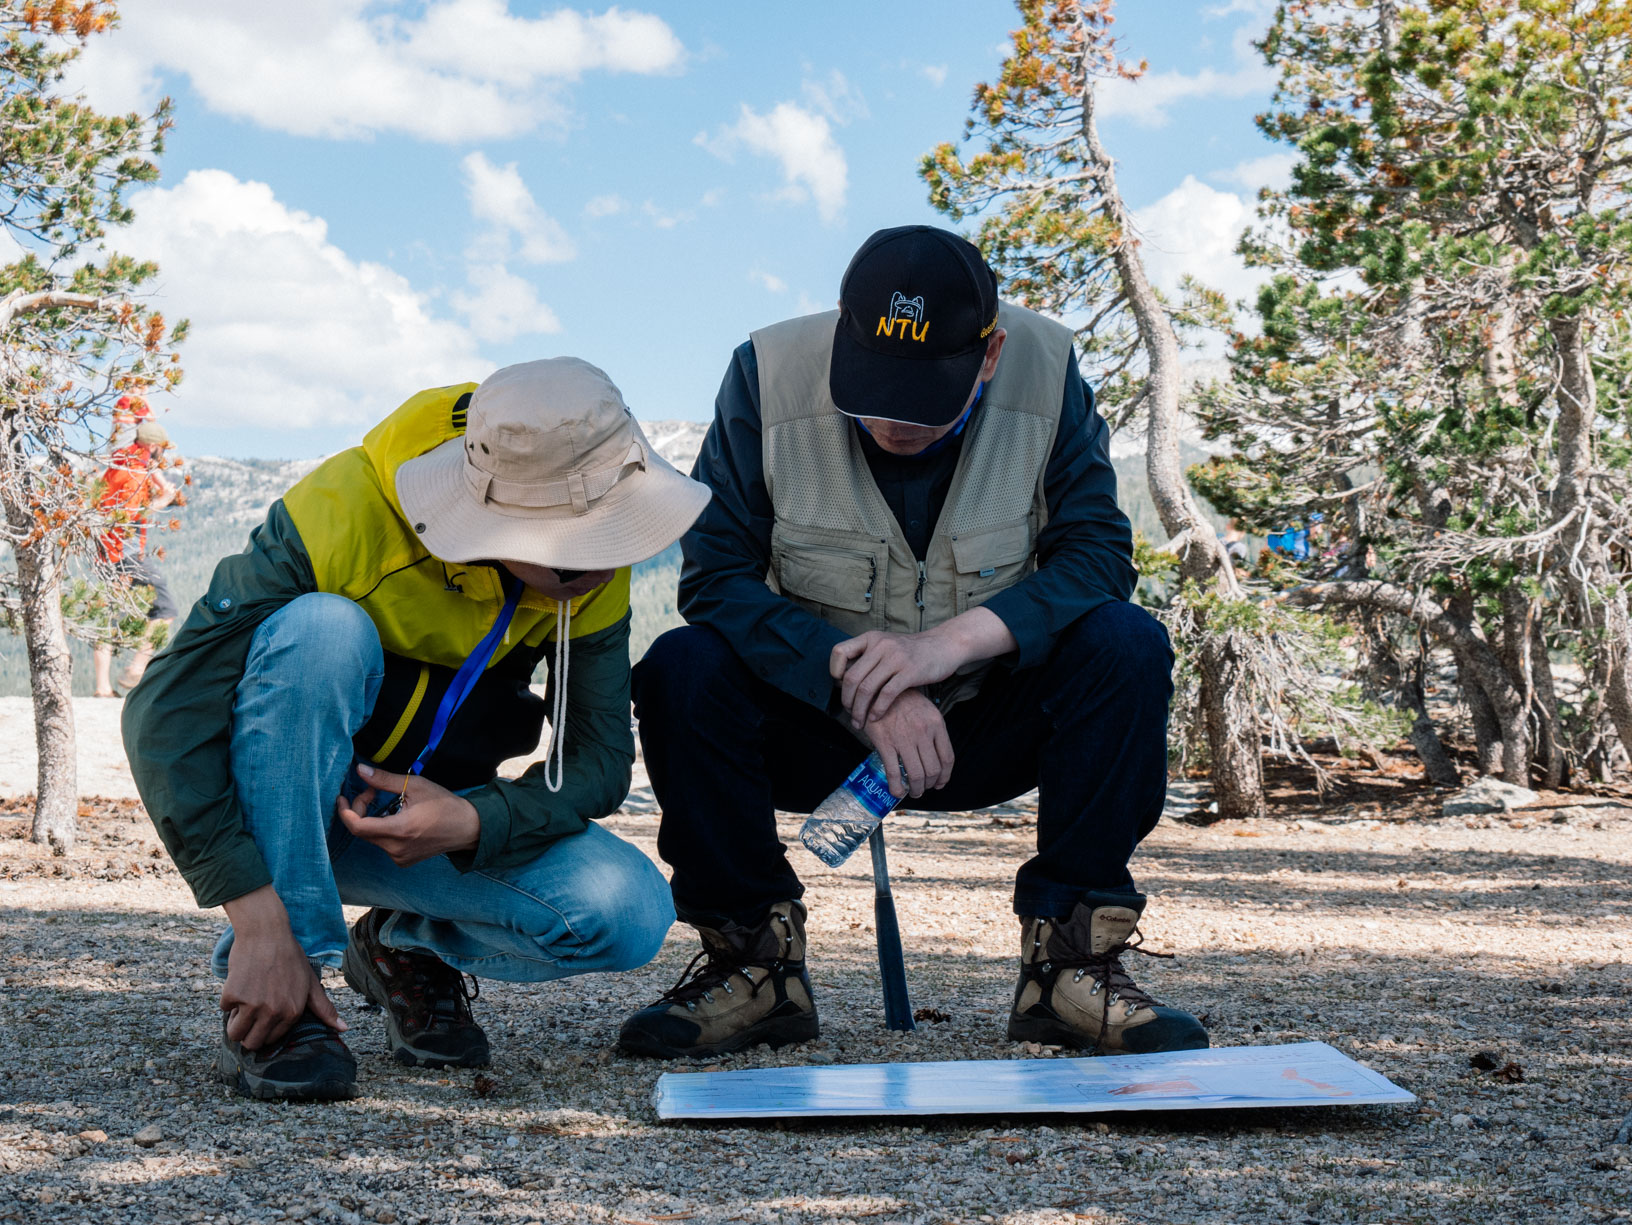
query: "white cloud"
813, 164
499, 197
1148, 100
662, 219
1260, 9
288, 330
1271, 170
935, 74
1192, 231
836, 98
502, 306
462, 70
768, 281
606, 206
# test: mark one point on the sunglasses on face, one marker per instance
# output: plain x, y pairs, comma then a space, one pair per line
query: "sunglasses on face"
569, 576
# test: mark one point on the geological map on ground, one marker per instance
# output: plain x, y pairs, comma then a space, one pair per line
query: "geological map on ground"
1297, 1074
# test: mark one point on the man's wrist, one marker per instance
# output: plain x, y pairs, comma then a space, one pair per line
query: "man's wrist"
257, 914
975, 636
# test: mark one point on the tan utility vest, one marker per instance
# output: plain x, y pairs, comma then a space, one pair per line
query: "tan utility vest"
836, 548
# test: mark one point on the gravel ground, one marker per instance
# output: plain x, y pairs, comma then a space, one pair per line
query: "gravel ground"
1413, 944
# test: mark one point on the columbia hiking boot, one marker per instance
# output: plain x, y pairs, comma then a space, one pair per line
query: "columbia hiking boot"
1074, 992
750, 988
308, 1064
427, 1005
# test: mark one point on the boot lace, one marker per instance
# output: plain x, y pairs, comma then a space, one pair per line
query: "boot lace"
714, 967
1107, 970
307, 1029
1109, 974
434, 991
699, 982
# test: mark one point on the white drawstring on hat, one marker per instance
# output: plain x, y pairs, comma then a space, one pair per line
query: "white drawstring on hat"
558, 720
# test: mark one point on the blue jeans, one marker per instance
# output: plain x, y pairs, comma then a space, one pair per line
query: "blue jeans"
589, 902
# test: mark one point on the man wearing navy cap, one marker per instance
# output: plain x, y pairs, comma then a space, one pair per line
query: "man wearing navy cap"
913, 546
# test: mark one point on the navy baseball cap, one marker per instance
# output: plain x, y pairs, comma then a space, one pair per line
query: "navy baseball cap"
916, 308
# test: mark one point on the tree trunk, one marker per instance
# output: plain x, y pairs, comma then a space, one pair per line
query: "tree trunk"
1234, 742
1498, 702
1237, 772
1597, 600
1487, 728
51, 678
1436, 762
1549, 743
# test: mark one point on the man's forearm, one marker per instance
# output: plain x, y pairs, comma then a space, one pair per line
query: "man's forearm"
973, 637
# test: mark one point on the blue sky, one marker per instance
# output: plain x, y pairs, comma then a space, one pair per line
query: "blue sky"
362, 198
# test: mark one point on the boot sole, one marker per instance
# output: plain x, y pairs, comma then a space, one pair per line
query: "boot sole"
246, 1084
355, 971
774, 1032
1048, 1032
1051, 1031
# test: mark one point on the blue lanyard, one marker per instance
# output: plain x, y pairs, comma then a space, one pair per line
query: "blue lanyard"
469, 673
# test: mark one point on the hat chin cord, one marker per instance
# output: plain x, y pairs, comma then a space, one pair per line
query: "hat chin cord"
556, 762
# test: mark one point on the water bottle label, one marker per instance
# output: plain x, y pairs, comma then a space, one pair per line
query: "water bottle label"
868, 785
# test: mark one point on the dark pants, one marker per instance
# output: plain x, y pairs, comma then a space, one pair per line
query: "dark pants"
1088, 728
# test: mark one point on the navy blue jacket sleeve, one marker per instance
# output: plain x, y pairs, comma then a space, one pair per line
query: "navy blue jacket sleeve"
1085, 551
727, 553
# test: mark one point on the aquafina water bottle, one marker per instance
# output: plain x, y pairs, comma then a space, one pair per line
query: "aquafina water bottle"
845, 819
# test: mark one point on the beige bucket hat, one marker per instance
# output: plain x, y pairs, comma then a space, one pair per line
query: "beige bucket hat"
552, 470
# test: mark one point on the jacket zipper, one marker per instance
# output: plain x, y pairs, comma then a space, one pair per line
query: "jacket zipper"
918, 596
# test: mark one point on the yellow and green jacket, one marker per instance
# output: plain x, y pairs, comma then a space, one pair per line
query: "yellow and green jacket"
341, 530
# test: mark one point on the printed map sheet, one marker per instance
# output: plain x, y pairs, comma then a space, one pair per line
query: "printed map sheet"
1299, 1074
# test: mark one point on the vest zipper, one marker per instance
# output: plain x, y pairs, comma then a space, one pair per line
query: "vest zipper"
918, 596
872, 580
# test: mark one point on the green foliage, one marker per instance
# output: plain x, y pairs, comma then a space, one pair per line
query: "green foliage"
1289, 660
1455, 234
1046, 224
74, 333
99, 616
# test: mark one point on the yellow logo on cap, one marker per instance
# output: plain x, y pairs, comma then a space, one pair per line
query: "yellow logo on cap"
906, 312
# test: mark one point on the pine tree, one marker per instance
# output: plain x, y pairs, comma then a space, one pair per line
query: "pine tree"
73, 338
1442, 353
1053, 224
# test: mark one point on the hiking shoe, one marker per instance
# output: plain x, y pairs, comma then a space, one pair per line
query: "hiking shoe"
428, 1022
1074, 991
308, 1064
750, 988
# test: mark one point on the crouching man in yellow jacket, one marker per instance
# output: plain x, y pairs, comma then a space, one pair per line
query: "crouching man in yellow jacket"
327, 726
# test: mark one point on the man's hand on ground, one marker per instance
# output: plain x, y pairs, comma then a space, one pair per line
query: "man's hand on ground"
912, 736
876, 668
430, 821
269, 981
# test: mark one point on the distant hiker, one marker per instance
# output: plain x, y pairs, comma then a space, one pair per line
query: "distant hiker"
377, 641
1235, 543
913, 547
132, 486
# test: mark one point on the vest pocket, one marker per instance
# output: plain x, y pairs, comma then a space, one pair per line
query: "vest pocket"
991, 560
825, 576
